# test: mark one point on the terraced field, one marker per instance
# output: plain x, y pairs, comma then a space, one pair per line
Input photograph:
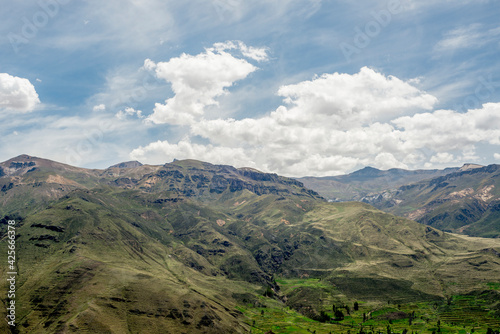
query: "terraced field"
459, 314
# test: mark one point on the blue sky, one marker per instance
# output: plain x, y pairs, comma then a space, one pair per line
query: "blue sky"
310, 87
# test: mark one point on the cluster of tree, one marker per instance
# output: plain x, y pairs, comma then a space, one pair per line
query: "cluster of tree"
269, 292
323, 317
411, 317
339, 315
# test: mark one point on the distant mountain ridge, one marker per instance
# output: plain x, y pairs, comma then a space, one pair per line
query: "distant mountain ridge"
127, 164
465, 201
462, 200
358, 184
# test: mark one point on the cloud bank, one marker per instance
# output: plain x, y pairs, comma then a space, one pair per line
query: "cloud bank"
325, 126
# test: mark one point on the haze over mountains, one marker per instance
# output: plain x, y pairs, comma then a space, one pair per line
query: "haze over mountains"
356, 185
191, 247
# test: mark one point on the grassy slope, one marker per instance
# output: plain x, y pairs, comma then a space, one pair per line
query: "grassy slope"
172, 249
87, 260
90, 263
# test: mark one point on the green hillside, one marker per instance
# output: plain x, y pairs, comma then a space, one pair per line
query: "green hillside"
191, 247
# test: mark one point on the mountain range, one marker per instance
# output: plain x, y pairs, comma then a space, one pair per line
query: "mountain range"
191, 247
460, 200
356, 185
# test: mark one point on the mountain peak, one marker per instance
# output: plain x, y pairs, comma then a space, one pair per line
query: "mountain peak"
466, 167
127, 164
23, 157
367, 171
19, 164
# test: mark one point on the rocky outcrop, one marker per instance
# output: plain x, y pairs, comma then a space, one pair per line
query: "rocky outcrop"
19, 165
208, 179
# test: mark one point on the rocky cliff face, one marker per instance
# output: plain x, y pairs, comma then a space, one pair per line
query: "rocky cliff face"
179, 179
190, 180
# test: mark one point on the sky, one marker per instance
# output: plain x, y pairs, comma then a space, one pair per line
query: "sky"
294, 87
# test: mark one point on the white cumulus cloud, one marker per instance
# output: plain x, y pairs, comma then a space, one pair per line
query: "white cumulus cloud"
17, 94
161, 151
445, 130
198, 80
344, 100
